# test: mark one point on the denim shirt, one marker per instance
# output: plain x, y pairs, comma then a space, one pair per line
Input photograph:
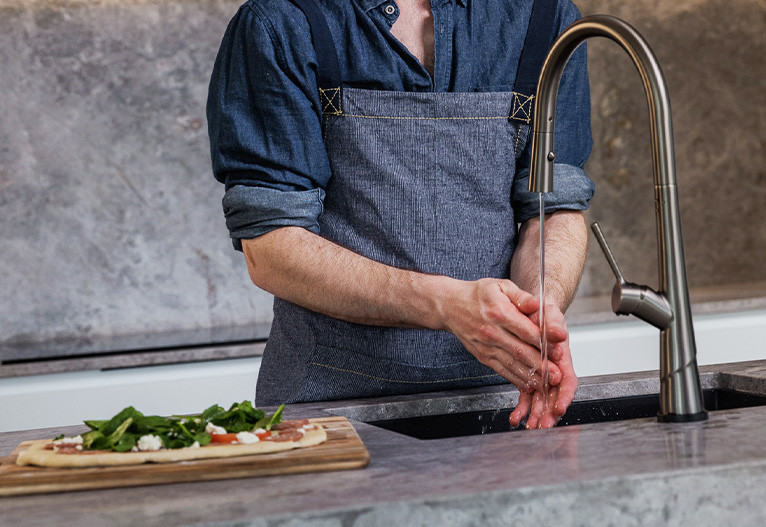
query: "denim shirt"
265, 116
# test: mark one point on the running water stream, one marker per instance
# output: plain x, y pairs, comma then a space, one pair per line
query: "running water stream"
543, 337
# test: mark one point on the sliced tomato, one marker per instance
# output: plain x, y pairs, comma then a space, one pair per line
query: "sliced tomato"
223, 438
232, 438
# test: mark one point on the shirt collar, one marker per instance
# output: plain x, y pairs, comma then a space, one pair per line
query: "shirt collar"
367, 5
461, 3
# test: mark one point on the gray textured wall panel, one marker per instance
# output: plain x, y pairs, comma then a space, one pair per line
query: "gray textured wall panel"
111, 221
111, 231
713, 54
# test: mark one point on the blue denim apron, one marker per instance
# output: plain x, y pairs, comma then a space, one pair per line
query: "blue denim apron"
421, 181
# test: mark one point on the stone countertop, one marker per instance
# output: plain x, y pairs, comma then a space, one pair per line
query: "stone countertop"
637, 472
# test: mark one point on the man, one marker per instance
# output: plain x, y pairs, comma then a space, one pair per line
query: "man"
376, 160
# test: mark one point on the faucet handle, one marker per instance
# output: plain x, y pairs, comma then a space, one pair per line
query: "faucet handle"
608, 253
632, 299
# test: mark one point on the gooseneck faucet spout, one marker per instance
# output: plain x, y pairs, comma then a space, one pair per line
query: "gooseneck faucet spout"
669, 308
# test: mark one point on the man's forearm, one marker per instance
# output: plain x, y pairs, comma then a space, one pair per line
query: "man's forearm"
566, 241
306, 269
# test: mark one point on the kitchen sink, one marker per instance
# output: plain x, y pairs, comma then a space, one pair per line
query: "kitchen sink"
580, 412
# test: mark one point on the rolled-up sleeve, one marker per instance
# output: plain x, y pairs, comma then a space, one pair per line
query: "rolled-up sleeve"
264, 122
253, 211
572, 189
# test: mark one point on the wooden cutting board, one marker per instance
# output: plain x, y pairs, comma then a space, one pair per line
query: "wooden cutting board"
342, 450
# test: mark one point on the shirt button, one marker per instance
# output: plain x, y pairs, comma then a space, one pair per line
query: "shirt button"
390, 10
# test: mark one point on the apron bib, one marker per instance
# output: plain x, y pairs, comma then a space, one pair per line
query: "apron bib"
421, 181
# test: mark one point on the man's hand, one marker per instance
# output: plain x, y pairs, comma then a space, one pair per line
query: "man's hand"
490, 317
561, 391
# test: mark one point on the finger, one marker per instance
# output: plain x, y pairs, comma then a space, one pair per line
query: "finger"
566, 392
555, 351
556, 329
516, 322
521, 372
532, 376
533, 421
528, 305
554, 372
567, 387
555, 325
524, 384
549, 418
518, 296
522, 409
511, 350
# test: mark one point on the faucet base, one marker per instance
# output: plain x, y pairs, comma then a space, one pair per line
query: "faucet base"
682, 418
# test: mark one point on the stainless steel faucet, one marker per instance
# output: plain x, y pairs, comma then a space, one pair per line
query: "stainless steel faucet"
668, 309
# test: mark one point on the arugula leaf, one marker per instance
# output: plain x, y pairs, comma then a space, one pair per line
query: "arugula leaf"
120, 430
152, 423
202, 438
125, 442
95, 425
115, 422
213, 412
89, 438
99, 443
241, 417
270, 420
174, 443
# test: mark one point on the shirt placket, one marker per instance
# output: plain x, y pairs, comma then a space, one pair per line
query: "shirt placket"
443, 14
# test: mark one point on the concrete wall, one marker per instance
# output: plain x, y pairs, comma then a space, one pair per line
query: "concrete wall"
713, 54
111, 231
111, 221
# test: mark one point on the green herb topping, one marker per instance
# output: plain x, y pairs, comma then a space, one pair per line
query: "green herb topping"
122, 432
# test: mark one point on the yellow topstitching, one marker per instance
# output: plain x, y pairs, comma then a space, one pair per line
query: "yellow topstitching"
402, 382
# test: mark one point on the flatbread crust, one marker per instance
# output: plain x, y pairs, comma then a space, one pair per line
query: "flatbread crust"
37, 455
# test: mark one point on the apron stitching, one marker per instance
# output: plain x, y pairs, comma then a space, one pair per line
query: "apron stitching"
403, 382
522, 108
516, 146
421, 118
328, 96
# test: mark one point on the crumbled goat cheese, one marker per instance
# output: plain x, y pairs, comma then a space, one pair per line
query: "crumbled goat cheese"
148, 443
194, 445
212, 429
247, 437
259, 431
76, 440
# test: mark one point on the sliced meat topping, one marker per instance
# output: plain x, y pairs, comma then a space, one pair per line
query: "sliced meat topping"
286, 435
290, 425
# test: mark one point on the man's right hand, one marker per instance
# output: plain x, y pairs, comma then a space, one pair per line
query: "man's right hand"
489, 317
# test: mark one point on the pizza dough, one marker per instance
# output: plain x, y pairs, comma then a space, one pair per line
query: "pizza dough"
37, 454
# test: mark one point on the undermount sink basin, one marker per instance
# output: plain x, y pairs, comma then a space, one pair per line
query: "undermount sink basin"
580, 412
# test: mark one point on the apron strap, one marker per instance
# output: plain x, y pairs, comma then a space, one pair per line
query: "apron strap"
328, 69
536, 45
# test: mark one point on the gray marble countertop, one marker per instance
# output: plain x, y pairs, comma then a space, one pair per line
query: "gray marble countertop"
637, 472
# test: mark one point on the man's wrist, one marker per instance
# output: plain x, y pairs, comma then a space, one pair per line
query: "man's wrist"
435, 293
